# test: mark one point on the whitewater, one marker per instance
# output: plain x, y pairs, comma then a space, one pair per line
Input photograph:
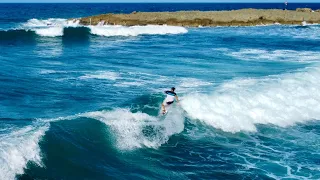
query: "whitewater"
83, 102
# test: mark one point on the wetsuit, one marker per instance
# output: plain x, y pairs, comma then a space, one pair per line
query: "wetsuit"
170, 97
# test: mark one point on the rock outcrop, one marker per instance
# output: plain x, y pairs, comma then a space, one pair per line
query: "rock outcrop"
244, 17
304, 10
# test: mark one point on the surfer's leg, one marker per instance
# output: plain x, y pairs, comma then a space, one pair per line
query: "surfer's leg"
163, 107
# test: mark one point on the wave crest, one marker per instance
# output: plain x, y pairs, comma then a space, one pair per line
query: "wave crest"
56, 27
19, 147
137, 130
109, 30
241, 104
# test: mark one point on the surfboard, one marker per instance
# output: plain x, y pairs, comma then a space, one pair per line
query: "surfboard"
167, 107
164, 113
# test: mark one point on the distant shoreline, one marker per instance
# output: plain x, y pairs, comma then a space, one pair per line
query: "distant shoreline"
243, 17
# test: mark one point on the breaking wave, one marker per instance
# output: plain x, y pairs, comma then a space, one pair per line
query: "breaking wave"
137, 130
109, 30
18, 147
62, 27
240, 105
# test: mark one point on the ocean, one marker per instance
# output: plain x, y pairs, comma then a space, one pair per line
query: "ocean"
82, 102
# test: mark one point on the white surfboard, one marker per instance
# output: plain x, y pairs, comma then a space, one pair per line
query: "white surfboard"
167, 107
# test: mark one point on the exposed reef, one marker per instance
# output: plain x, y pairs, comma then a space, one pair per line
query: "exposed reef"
244, 17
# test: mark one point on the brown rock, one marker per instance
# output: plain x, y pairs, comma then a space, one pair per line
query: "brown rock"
304, 10
244, 17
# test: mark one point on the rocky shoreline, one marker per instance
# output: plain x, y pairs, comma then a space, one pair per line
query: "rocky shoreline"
244, 17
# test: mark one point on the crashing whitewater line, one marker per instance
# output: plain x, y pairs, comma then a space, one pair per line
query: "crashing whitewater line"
55, 27
240, 105
137, 130
18, 147
50, 32
49, 27
117, 30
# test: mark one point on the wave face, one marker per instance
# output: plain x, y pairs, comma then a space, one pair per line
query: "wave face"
83, 102
241, 104
62, 27
18, 146
137, 130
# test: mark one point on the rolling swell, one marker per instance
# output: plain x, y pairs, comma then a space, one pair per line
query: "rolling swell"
266, 95
16, 36
85, 137
82, 33
68, 140
76, 32
76, 35
110, 139
23, 35
102, 138
19, 145
241, 104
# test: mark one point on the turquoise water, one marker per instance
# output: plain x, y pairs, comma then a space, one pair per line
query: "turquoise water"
83, 102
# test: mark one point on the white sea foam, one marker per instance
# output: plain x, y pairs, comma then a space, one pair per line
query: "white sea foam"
52, 27
136, 130
277, 55
73, 23
308, 32
18, 147
49, 71
50, 31
52, 62
44, 23
48, 27
239, 105
128, 84
116, 30
101, 75
193, 82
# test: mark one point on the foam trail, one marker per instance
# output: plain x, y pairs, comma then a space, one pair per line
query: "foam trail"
50, 32
116, 30
241, 104
137, 130
18, 147
73, 23
33, 23
49, 27
101, 75
277, 55
54, 27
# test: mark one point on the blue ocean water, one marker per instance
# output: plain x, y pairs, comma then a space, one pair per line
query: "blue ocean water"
83, 102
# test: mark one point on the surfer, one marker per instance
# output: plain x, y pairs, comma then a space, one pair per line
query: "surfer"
171, 96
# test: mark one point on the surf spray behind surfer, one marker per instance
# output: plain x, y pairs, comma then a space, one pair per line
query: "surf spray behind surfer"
171, 96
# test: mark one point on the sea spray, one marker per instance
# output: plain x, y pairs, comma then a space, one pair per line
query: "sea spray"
137, 130
19, 147
117, 30
239, 105
50, 32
